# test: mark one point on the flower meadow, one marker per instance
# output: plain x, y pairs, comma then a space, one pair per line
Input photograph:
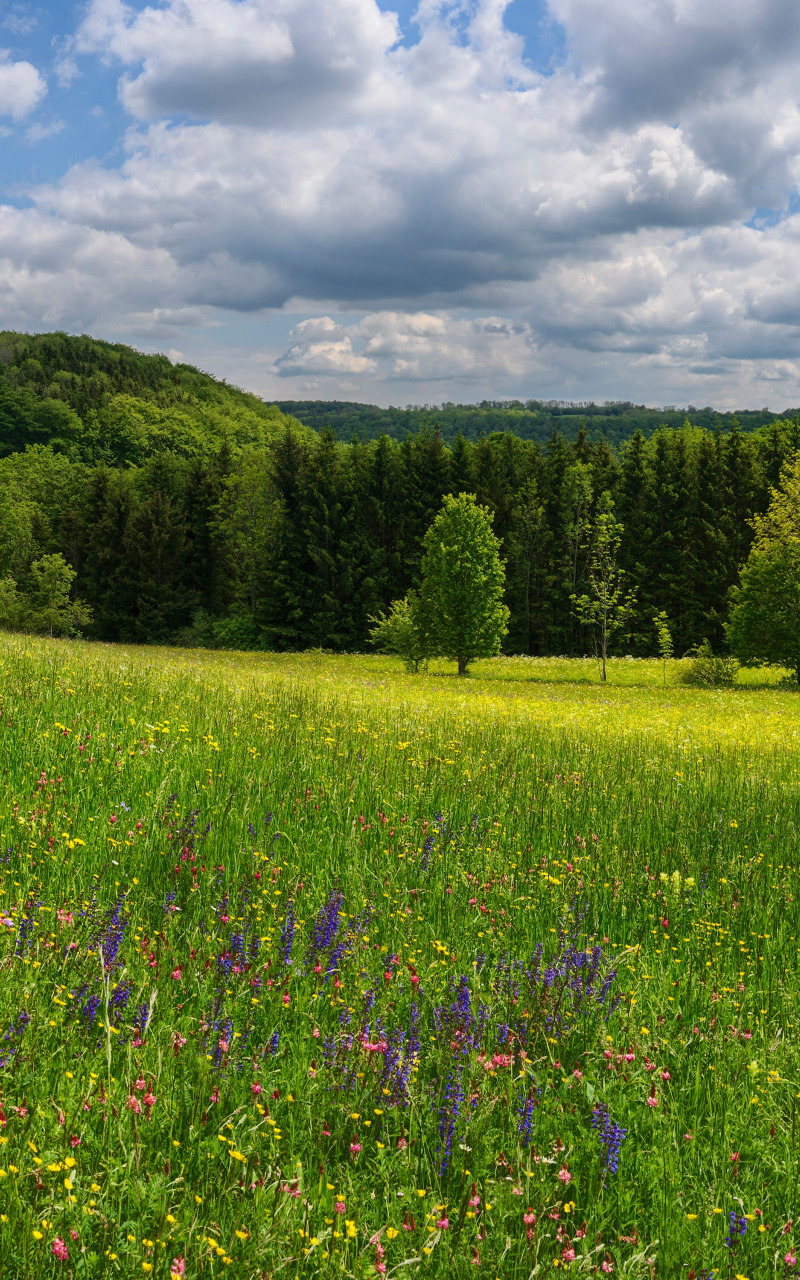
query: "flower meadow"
310, 967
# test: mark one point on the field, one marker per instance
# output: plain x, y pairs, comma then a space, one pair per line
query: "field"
314, 968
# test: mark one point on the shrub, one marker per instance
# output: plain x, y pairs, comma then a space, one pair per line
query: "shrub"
709, 670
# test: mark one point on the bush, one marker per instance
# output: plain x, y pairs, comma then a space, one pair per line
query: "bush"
709, 670
399, 633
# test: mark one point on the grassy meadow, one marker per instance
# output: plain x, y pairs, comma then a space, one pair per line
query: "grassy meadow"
310, 967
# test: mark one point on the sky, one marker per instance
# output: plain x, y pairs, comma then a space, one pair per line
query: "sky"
409, 203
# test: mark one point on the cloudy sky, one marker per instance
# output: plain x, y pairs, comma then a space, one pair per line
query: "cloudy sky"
411, 203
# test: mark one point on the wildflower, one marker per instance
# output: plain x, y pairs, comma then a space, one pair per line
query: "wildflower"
74, 1141
443, 1223
338, 1206
790, 1259
286, 999
564, 1175
607, 1267
60, 1250
529, 1218
355, 1147
568, 1254
255, 1088
177, 1269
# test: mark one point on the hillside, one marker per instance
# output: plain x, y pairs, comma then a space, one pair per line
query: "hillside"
105, 402
529, 419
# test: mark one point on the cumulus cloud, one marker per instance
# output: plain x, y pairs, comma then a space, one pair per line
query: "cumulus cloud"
21, 87
492, 227
410, 347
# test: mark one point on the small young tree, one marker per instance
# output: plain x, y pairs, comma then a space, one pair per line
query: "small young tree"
398, 632
459, 610
665, 647
604, 607
48, 608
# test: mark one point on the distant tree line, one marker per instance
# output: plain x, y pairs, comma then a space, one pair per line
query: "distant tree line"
297, 540
614, 421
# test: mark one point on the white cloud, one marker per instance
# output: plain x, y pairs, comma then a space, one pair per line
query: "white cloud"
491, 228
21, 87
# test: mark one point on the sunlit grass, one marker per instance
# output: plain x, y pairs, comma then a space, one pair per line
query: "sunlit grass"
418, 1067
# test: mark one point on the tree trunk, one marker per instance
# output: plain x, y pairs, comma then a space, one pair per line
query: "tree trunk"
462, 666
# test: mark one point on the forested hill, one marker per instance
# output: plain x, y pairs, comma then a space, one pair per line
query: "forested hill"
529, 420
105, 402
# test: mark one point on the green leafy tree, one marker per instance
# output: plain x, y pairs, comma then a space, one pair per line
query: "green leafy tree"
460, 609
399, 632
605, 606
764, 624
48, 609
665, 646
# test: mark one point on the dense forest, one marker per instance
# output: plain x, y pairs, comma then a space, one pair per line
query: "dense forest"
192, 512
529, 419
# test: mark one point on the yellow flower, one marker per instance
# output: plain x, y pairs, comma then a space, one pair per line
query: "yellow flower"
391, 1233
37, 1235
242, 1235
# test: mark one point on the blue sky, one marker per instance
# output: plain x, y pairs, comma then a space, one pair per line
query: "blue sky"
534, 198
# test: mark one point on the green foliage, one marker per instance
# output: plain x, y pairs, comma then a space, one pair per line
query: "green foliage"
398, 632
665, 646
460, 612
604, 606
708, 670
533, 420
764, 624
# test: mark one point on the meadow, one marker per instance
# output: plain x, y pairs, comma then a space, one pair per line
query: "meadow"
311, 967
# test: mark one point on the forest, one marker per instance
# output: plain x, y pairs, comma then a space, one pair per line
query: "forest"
614, 421
187, 511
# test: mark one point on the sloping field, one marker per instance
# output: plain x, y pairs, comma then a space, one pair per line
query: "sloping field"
316, 968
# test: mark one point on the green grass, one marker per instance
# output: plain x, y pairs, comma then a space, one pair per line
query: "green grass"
637, 841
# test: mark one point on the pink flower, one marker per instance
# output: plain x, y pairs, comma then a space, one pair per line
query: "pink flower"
176, 973
177, 1269
568, 1254
401, 1144
652, 1101
338, 1206
564, 1175
132, 1103
286, 997
607, 1267
578, 1074
74, 1141
60, 1250
255, 1088
73, 1233
735, 1157
529, 1218
215, 1095
790, 1259
315, 1033
443, 1223
355, 1147
149, 1100
474, 1202
140, 1085
665, 1075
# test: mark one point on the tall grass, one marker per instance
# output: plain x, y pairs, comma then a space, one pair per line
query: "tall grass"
311, 967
